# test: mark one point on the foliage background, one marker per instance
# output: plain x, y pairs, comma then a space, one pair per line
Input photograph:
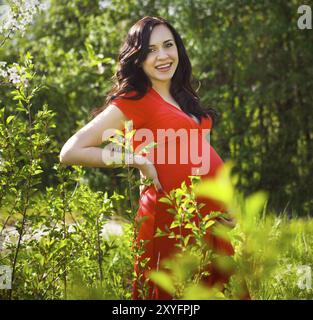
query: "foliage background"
250, 61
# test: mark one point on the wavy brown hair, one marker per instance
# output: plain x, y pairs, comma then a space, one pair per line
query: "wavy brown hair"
131, 77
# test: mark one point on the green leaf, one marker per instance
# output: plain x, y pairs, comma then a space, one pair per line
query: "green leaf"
165, 200
9, 119
163, 280
220, 187
186, 240
175, 224
41, 258
159, 233
171, 211
209, 224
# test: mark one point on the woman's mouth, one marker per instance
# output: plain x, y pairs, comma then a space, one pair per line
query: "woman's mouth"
164, 67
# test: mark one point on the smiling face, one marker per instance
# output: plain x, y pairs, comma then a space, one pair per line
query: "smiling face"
162, 51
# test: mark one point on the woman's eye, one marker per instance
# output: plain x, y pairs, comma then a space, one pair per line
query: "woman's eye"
167, 45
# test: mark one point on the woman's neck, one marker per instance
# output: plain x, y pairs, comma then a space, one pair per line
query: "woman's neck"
163, 89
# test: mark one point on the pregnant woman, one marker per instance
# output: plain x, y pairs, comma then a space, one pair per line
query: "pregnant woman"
152, 90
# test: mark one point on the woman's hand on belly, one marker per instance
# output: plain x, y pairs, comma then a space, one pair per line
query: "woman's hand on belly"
229, 222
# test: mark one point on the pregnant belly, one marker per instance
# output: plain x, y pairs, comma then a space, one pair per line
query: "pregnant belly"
172, 175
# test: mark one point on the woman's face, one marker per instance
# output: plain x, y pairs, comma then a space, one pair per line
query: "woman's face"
162, 51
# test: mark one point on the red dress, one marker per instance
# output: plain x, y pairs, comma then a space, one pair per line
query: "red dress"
153, 112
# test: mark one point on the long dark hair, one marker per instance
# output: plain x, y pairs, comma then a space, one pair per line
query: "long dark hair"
131, 77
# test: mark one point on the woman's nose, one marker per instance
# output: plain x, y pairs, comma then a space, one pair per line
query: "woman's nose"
162, 55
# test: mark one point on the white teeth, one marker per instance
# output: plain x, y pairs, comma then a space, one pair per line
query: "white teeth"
163, 66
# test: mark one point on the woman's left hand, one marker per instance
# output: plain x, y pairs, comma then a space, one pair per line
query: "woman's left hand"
231, 222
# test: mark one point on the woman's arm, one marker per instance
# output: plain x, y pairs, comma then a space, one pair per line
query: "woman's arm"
83, 147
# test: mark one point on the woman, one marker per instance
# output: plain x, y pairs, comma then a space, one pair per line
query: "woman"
153, 91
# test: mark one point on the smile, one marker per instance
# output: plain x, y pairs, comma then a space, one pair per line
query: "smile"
164, 67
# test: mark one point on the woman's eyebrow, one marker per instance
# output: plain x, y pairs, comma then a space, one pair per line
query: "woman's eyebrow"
152, 45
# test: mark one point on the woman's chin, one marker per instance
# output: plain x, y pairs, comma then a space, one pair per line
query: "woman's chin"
163, 77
